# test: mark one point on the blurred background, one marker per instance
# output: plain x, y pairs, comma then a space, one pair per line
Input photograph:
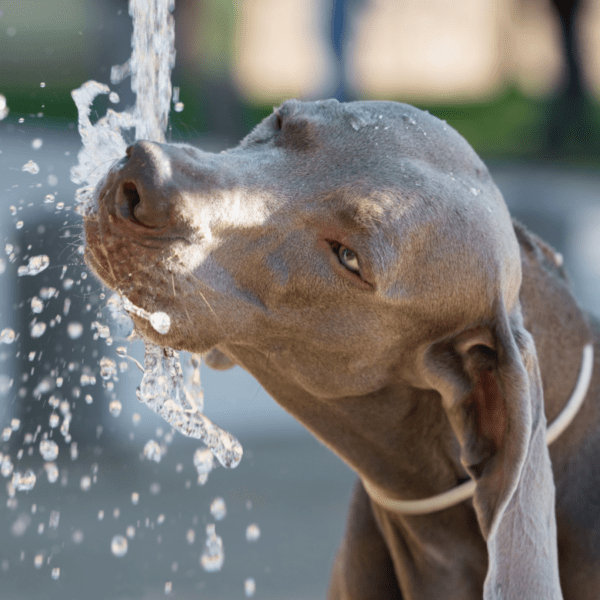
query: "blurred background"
520, 79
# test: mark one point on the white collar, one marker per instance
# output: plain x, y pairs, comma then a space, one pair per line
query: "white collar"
465, 490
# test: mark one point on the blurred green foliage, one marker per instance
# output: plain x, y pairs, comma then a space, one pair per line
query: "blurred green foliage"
509, 126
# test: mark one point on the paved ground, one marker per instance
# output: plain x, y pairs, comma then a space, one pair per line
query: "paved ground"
288, 484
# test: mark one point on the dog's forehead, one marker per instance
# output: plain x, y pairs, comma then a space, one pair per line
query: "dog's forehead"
391, 130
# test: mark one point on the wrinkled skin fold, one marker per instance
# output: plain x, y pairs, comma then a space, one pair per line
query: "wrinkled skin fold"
360, 262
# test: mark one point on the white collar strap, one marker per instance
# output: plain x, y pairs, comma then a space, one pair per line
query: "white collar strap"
466, 490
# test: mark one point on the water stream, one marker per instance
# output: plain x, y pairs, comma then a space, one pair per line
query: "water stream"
53, 367
153, 55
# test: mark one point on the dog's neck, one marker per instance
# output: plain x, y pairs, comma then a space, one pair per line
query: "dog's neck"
465, 490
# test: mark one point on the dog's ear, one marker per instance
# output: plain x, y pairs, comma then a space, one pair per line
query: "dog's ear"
491, 390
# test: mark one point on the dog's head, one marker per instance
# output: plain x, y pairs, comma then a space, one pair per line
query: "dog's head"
343, 251
333, 236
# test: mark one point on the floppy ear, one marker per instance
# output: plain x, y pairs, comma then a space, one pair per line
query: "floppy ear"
491, 389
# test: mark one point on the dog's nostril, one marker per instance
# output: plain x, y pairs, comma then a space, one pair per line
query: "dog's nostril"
131, 196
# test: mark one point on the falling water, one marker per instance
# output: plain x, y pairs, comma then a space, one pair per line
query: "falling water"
169, 387
149, 67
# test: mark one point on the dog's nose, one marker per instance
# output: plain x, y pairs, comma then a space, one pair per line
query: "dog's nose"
146, 190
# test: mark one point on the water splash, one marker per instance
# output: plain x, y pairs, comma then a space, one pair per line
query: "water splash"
218, 509
24, 482
150, 64
163, 391
36, 265
149, 67
118, 545
252, 533
49, 450
213, 556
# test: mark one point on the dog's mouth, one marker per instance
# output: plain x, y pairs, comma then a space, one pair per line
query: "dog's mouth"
137, 261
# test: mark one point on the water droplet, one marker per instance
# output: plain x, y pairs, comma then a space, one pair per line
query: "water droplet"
55, 572
249, 587
38, 561
130, 532
7, 336
153, 451
19, 527
53, 420
213, 555
218, 509
115, 407
31, 167
37, 306
204, 463
37, 143
114, 97
168, 587
4, 110
38, 329
51, 472
54, 519
179, 107
49, 449
135, 498
252, 533
161, 322
108, 368
88, 399
190, 536
77, 537
86, 483
19, 225
74, 330
24, 482
36, 265
6, 468
475, 191
6, 433
100, 515
118, 545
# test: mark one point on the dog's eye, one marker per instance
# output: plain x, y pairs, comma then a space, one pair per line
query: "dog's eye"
348, 259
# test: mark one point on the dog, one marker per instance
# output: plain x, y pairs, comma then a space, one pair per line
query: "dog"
358, 260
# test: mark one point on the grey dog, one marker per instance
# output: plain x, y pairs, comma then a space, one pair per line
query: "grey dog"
360, 262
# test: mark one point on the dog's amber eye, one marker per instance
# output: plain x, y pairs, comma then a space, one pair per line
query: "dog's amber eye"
348, 259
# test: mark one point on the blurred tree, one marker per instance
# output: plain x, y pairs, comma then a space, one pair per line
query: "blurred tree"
569, 126
342, 19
